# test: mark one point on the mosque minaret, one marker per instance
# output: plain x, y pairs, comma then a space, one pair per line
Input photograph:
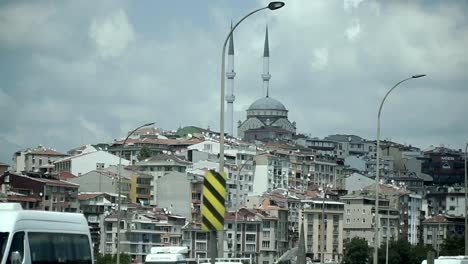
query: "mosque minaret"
230, 98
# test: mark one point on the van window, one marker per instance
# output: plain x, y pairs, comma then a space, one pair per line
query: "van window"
59, 248
17, 244
3, 243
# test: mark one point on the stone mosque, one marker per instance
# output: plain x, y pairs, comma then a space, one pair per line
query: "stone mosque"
267, 118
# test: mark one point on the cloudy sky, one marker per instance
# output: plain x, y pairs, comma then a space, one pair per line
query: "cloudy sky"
77, 72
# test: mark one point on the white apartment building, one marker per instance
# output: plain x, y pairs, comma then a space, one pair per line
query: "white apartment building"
140, 231
271, 172
359, 219
331, 245
88, 161
239, 167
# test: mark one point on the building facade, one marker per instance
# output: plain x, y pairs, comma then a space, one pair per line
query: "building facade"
323, 237
39, 159
88, 161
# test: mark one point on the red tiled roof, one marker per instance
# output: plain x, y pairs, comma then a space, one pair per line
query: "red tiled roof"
45, 151
66, 175
159, 141
19, 198
87, 196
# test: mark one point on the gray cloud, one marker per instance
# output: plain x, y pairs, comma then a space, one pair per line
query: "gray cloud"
81, 72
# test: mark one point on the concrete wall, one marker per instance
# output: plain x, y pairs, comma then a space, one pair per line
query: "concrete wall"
174, 193
86, 163
356, 182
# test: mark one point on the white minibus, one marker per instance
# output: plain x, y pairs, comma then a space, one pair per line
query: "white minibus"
167, 255
40, 237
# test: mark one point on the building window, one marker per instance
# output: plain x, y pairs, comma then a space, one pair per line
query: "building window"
201, 246
250, 247
266, 224
266, 244
348, 221
250, 238
266, 234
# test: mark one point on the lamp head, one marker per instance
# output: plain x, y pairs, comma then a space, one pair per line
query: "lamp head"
418, 76
149, 124
275, 5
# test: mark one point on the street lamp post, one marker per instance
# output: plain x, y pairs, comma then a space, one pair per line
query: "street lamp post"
466, 200
377, 169
322, 242
271, 6
119, 199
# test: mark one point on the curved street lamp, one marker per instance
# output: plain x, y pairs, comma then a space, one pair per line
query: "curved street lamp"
377, 169
272, 6
466, 200
119, 199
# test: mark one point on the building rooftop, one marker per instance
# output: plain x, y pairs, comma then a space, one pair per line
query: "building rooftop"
267, 103
44, 151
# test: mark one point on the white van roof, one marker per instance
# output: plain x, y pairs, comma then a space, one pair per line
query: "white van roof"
169, 250
13, 216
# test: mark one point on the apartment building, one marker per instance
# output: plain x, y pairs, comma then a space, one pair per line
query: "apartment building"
352, 145
320, 146
410, 209
196, 240
38, 159
359, 219
48, 193
271, 172
95, 206
437, 228
253, 233
323, 237
140, 188
141, 230
445, 200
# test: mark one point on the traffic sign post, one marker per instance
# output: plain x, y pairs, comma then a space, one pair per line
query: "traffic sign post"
213, 208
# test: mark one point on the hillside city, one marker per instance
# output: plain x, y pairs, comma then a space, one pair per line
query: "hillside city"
273, 187
288, 194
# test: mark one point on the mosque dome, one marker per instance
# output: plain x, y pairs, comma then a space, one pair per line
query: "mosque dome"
267, 103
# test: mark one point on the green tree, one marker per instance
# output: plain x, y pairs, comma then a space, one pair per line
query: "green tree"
111, 259
144, 153
357, 251
399, 252
420, 252
453, 246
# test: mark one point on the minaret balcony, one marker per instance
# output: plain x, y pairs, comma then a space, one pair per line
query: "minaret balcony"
266, 77
230, 98
230, 75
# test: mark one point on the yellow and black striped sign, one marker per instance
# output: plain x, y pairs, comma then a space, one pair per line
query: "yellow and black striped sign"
214, 195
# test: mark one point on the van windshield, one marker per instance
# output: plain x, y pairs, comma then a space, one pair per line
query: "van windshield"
3, 243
